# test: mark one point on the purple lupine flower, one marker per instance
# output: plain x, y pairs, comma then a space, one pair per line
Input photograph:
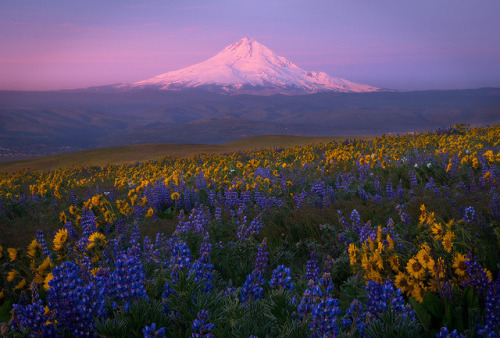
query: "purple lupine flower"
40, 238
382, 296
152, 332
304, 309
139, 211
445, 333
32, 316
376, 183
71, 230
135, 237
246, 233
180, 258
252, 288
413, 179
201, 326
262, 256
405, 218
120, 226
299, 199
389, 189
281, 279
431, 185
477, 275
377, 199
218, 214
72, 197
127, 281
324, 318
318, 192
202, 268
355, 317
325, 286
88, 222
492, 309
363, 194
73, 302
147, 250
469, 215
494, 203
342, 220
197, 222
312, 269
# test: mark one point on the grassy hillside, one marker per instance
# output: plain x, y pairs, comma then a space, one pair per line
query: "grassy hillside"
395, 237
147, 152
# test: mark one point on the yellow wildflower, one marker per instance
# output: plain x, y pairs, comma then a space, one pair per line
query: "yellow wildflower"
62, 217
60, 238
418, 292
73, 210
12, 254
448, 241
21, 284
448, 168
11, 275
47, 280
375, 276
488, 273
437, 231
415, 269
38, 278
353, 254
34, 249
393, 260
1, 252
402, 281
150, 212
439, 269
94, 258
459, 264
46, 264
425, 259
175, 196
391, 242
96, 239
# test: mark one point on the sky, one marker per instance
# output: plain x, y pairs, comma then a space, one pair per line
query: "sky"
396, 44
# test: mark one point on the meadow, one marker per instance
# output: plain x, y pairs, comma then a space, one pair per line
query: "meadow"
379, 237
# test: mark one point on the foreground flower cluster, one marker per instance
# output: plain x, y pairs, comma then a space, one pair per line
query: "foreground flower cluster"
389, 237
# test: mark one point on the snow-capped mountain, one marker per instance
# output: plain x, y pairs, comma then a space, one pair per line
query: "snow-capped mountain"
250, 67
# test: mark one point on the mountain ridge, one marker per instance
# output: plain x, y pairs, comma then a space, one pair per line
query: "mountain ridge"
248, 67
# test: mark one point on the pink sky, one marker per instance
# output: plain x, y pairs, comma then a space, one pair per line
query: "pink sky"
446, 44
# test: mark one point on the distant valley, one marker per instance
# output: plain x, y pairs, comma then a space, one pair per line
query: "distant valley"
36, 124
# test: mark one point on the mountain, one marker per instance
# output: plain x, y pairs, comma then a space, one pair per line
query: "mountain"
248, 67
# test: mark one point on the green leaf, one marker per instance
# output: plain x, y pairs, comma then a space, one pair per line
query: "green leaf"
422, 314
433, 304
5, 311
458, 319
470, 298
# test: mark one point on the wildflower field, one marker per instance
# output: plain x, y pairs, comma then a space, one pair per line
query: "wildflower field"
396, 236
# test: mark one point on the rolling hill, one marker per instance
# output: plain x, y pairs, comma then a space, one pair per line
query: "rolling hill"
36, 124
146, 152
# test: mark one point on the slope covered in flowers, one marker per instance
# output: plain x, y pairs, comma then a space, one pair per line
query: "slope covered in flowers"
397, 235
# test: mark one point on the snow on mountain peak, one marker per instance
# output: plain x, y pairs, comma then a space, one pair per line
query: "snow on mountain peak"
250, 67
